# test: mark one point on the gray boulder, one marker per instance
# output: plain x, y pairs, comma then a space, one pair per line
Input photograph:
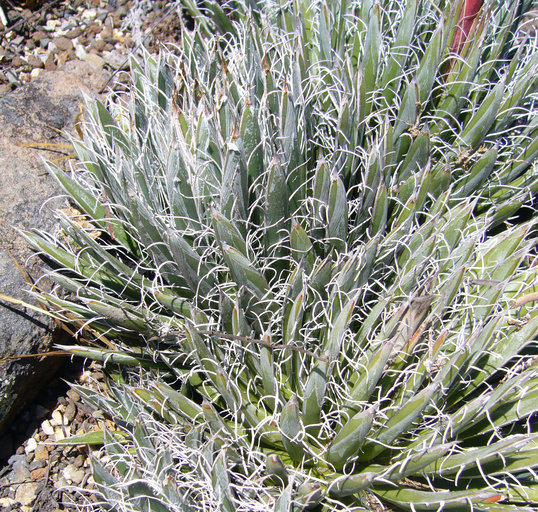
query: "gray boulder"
31, 114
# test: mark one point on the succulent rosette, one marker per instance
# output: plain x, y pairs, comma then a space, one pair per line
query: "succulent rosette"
309, 243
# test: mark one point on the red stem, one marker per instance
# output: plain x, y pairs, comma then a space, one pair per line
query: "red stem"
468, 14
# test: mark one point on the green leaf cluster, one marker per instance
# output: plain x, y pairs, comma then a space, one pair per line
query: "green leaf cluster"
311, 249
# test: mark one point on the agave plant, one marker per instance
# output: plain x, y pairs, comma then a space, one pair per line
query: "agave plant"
308, 240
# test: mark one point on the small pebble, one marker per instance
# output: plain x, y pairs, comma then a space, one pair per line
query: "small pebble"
17, 40
21, 473
35, 73
38, 35
72, 474
5, 89
79, 461
36, 464
47, 428
93, 29
129, 42
57, 417
99, 45
95, 60
70, 412
65, 56
73, 395
31, 445
54, 458
18, 62
51, 25
59, 435
50, 65
89, 14
115, 60
41, 452
107, 32
38, 473
51, 47
34, 61
63, 43
26, 493
61, 482
73, 33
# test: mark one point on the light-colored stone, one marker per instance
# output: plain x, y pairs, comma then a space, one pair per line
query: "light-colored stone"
52, 24
61, 433
31, 445
35, 73
26, 493
89, 14
41, 452
57, 417
116, 60
47, 428
61, 482
80, 51
72, 474
95, 60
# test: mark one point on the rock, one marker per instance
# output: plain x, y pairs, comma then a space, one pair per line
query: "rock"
42, 452
89, 14
36, 73
38, 473
58, 418
75, 32
95, 61
26, 493
63, 43
73, 395
47, 428
50, 65
31, 445
34, 61
99, 45
26, 116
116, 60
129, 42
36, 464
5, 89
38, 35
73, 474
107, 32
18, 62
60, 433
52, 24
70, 412
80, 461
65, 56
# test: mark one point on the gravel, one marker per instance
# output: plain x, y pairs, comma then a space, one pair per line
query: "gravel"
42, 475
103, 32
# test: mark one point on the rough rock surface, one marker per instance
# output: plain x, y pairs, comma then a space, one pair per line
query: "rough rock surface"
33, 113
